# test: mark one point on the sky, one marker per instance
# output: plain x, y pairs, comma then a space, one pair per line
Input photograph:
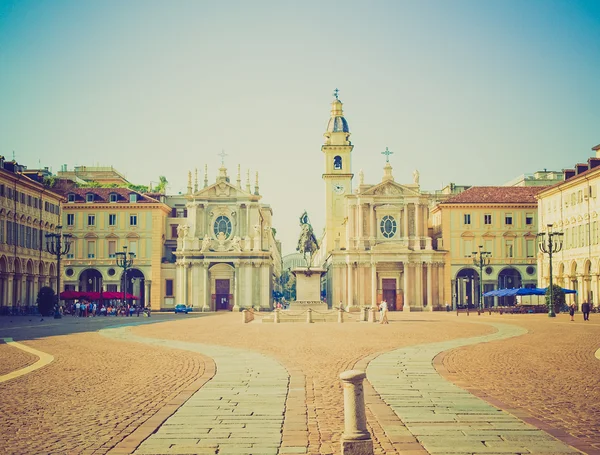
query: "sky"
466, 91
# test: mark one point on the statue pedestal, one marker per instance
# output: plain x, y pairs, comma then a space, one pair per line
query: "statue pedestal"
308, 289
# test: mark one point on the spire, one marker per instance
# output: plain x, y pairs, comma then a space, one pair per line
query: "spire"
256, 185
205, 175
361, 177
387, 172
196, 180
337, 128
248, 189
189, 187
239, 178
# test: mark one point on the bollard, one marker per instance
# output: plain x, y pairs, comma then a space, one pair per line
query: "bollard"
363, 314
245, 316
356, 439
340, 315
309, 315
373, 314
276, 317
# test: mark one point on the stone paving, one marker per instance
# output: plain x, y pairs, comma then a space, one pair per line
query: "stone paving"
13, 358
446, 419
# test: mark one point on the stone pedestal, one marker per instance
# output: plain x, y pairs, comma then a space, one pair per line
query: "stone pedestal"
308, 289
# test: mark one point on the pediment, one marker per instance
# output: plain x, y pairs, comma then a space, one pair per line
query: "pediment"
389, 188
221, 190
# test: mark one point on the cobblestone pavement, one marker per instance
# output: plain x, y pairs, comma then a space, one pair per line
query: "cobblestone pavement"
550, 374
13, 358
93, 395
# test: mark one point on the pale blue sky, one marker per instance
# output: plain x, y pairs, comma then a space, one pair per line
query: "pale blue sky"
471, 92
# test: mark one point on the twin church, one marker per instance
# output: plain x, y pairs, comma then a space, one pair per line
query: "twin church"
375, 245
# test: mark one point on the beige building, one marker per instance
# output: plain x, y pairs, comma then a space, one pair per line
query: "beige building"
572, 207
227, 254
28, 211
503, 221
376, 243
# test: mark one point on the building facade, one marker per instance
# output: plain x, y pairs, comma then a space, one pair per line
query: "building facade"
28, 211
227, 254
376, 243
572, 207
500, 220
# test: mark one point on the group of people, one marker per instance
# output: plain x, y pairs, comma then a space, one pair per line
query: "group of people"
85, 309
586, 308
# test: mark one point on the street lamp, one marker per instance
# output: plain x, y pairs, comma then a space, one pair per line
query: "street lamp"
550, 247
58, 244
125, 263
481, 259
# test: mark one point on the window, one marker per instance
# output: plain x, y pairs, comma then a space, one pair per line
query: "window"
509, 249
508, 219
133, 247
112, 219
337, 163
468, 247
91, 220
529, 219
71, 197
388, 226
530, 248
91, 249
70, 219
168, 288
133, 197
222, 224
132, 220
89, 197
487, 219
467, 218
113, 197
174, 231
173, 212
112, 248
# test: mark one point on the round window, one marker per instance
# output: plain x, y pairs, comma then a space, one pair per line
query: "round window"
222, 224
69, 272
111, 272
530, 270
489, 270
388, 226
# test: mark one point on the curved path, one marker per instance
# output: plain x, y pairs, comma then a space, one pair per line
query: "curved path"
446, 419
43, 360
240, 410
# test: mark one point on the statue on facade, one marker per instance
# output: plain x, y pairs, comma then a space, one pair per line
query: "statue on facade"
235, 244
205, 243
307, 243
416, 177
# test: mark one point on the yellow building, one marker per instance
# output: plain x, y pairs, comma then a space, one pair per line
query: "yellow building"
102, 222
500, 220
28, 211
376, 243
572, 207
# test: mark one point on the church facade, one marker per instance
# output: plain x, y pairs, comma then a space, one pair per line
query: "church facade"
376, 243
227, 257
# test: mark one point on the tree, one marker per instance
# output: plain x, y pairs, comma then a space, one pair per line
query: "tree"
162, 184
558, 296
45, 301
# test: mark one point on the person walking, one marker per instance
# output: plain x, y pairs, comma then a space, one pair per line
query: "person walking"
572, 311
585, 309
383, 307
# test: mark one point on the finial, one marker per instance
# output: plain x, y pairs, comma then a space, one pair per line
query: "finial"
256, 185
205, 175
248, 181
335, 93
189, 187
387, 154
239, 178
196, 180
222, 155
361, 177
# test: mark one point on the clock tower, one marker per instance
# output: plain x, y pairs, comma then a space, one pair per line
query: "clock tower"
338, 174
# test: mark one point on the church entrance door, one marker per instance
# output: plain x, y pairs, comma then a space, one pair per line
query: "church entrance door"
222, 294
389, 293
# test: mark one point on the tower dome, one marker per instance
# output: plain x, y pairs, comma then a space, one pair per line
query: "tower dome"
337, 122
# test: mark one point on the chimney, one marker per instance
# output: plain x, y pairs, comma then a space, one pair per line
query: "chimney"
597, 150
569, 173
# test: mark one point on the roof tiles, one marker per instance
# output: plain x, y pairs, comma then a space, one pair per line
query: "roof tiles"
497, 195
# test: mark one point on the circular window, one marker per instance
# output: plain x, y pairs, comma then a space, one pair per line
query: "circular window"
222, 224
69, 272
111, 272
489, 270
530, 270
388, 226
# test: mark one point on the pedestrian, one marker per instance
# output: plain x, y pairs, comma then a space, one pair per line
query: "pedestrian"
585, 309
77, 309
383, 308
572, 311
341, 306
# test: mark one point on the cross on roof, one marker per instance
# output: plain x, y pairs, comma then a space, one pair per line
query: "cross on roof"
335, 93
222, 155
387, 154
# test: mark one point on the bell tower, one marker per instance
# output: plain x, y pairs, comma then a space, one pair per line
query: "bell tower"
338, 174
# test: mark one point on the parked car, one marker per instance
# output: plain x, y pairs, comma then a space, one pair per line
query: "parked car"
182, 309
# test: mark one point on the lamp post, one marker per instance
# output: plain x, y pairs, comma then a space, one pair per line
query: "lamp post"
125, 263
58, 244
480, 259
548, 245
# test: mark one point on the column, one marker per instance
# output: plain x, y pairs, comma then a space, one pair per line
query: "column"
405, 221
265, 286
9, 291
178, 281
417, 244
419, 284
195, 300
184, 269
350, 272
429, 286
205, 286
595, 290
148, 292
350, 227
373, 284
442, 299
361, 223
236, 284
407, 267
248, 284
373, 223
453, 294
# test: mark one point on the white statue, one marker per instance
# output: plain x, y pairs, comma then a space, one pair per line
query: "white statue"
205, 243
221, 239
416, 177
235, 244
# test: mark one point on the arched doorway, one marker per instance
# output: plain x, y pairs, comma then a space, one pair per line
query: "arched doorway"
466, 288
508, 278
3, 281
136, 285
90, 280
221, 286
